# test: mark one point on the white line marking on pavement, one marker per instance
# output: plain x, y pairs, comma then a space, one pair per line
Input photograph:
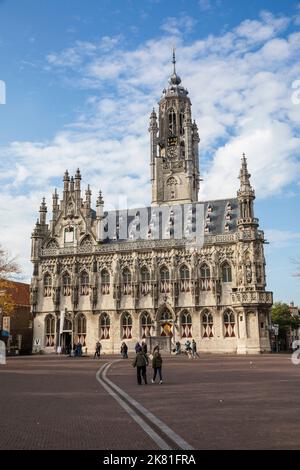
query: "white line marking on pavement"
154, 436
179, 441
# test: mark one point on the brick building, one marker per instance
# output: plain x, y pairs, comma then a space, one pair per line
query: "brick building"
17, 325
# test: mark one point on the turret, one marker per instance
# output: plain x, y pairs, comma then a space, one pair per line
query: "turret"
246, 196
100, 216
55, 205
43, 213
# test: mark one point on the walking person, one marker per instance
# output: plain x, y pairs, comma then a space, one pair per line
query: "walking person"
124, 350
97, 350
137, 347
144, 347
141, 362
194, 349
188, 348
78, 352
157, 365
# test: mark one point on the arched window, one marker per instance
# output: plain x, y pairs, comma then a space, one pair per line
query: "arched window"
186, 324
164, 280
229, 324
126, 326
146, 325
145, 280
66, 284
172, 122
166, 321
47, 285
207, 324
184, 278
205, 283
181, 123
226, 272
126, 275
171, 184
104, 326
80, 329
49, 331
105, 282
84, 283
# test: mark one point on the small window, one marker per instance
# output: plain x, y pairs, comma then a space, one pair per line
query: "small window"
69, 235
226, 273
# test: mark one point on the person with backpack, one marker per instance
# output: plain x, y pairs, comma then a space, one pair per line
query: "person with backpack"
157, 365
140, 362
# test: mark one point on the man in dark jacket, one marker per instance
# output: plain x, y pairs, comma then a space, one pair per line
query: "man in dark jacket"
140, 362
157, 365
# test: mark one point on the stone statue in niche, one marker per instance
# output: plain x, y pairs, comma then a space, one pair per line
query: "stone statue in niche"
248, 271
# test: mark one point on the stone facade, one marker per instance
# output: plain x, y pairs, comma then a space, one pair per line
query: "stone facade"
125, 275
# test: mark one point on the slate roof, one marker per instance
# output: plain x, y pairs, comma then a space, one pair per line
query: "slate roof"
215, 217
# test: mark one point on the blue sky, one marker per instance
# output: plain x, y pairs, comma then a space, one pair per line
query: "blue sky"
82, 78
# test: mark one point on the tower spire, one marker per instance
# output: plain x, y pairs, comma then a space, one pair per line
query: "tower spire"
174, 61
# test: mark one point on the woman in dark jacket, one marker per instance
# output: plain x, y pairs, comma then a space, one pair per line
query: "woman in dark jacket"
157, 365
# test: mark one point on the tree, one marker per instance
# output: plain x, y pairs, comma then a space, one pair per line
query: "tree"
281, 315
8, 268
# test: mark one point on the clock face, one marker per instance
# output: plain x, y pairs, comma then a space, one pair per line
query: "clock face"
171, 152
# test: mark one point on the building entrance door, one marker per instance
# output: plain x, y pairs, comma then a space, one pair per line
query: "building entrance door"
66, 342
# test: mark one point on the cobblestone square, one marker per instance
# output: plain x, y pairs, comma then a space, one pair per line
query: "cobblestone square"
214, 402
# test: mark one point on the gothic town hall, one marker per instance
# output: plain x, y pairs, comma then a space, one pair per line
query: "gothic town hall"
128, 275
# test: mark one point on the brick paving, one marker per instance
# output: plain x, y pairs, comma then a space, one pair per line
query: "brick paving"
215, 402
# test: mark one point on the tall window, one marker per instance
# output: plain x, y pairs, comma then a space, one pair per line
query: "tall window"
105, 281
84, 283
164, 280
49, 331
66, 284
104, 326
229, 324
205, 283
80, 326
126, 281
172, 122
146, 325
184, 279
207, 325
226, 272
47, 285
126, 326
186, 324
181, 118
145, 280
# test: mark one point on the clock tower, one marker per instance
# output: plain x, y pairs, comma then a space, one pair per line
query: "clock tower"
174, 144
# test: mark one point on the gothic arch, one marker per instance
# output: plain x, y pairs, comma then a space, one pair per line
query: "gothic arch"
86, 240
52, 243
162, 309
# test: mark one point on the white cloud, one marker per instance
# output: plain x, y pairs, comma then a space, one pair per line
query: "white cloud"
205, 5
282, 238
240, 87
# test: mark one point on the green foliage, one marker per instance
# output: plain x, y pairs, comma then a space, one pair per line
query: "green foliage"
281, 314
